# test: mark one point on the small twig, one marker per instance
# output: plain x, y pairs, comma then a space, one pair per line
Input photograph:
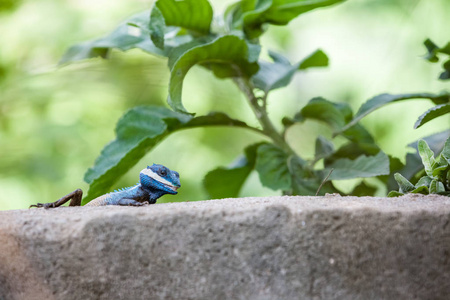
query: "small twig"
323, 182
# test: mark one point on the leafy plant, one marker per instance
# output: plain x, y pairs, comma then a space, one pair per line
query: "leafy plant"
230, 48
437, 173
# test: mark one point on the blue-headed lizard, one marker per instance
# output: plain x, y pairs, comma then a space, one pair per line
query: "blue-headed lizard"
154, 182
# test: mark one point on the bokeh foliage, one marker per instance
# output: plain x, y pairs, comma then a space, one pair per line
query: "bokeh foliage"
54, 122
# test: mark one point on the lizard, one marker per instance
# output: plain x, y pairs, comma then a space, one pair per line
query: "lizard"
154, 182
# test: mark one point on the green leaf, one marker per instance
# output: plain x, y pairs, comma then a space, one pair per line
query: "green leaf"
432, 49
178, 51
232, 16
137, 132
424, 181
357, 134
445, 49
279, 74
363, 189
194, 15
123, 38
432, 113
427, 157
249, 9
395, 194
271, 164
363, 166
156, 26
446, 74
215, 119
283, 11
440, 172
227, 182
227, 56
278, 57
84, 51
403, 183
436, 187
446, 150
322, 110
352, 151
421, 190
316, 59
278, 12
167, 37
272, 76
324, 148
441, 160
383, 99
336, 115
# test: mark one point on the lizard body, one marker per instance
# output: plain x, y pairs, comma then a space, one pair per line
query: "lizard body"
154, 182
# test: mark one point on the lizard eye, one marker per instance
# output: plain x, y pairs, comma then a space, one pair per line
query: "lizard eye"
162, 173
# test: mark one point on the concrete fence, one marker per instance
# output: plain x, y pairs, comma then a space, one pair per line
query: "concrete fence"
251, 248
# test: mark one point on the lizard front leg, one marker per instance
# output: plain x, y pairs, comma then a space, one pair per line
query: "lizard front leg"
75, 198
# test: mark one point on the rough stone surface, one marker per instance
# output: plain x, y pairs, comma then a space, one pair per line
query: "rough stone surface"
252, 248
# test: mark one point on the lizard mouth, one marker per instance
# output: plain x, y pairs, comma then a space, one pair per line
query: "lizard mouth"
171, 187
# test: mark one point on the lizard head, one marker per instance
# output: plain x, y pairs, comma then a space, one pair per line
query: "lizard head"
160, 178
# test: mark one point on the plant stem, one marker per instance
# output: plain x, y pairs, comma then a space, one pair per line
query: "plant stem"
259, 109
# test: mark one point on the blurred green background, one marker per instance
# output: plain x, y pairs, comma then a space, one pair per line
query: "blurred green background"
55, 121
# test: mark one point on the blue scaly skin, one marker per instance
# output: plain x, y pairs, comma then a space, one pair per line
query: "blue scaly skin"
155, 181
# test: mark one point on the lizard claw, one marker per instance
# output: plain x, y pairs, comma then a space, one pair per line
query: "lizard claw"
145, 203
36, 205
136, 203
44, 205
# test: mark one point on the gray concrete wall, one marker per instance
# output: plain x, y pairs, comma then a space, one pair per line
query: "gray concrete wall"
253, 248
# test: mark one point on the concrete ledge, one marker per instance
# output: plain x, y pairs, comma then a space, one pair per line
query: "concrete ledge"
252, 248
